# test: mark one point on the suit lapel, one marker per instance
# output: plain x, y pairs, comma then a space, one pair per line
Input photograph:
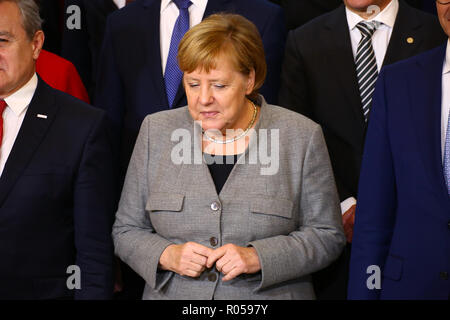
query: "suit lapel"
342, 63
150, 22
30, 135
426, 100
406, 38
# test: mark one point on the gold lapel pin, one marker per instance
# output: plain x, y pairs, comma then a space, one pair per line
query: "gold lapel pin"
410, 40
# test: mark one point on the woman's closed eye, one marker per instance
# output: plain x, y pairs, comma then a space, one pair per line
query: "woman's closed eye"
193, 84
219, 86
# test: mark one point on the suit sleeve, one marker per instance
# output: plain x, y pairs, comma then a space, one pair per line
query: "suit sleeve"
320, 237
293, 93
136, 241
274, 38
93, 216
375, 212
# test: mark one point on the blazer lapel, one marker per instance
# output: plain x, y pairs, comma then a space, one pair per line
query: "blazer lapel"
197, 170
30, 135
406, 38
342, 63
426, 100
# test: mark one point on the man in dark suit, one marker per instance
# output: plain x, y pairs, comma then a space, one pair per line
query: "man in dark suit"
332, 81
131, 80
56, 181
401, 247
82, 46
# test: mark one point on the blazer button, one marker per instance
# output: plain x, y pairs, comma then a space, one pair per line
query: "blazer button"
212, 277
448, 224
444, 275
215, 206
213, 241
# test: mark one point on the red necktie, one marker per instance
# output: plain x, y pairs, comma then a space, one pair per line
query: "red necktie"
2, 108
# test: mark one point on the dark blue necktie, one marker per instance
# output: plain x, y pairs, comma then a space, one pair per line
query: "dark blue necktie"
173, 74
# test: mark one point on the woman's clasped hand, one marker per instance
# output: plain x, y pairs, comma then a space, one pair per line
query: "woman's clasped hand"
191, 259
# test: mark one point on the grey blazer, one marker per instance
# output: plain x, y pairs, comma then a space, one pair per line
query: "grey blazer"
292, 218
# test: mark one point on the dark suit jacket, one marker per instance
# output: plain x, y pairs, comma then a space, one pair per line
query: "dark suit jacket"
130, 82
55, 202
403, 212
319, 81
82, 47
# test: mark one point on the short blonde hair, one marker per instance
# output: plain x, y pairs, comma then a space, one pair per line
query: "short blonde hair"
230, 35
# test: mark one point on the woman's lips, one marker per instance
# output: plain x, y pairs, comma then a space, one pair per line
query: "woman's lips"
209, 114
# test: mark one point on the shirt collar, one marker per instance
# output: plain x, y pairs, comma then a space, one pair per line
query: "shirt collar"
386, 17
447, 59
197, 3
20, 99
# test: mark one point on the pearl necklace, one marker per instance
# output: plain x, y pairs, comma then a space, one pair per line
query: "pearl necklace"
250, 125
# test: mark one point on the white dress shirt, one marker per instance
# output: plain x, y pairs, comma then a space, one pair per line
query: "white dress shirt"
169, 15
13, 117
380, 39
380, 42
445, 97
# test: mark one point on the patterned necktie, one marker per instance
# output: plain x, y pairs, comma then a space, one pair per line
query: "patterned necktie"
447, 156
173, 74
2, 108
366, 65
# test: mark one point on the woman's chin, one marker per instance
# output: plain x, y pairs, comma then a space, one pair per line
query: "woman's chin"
211, 125
212, 129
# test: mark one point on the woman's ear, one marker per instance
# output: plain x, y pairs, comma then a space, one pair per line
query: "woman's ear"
250, 82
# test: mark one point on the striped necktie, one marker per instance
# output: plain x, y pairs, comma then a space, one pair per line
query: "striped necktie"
2, 108
173, 74
366, 65
447, 156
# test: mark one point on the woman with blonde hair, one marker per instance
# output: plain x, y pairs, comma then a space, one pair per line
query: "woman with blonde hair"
207, 212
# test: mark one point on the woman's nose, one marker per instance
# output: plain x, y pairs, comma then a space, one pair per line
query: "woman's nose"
205, 95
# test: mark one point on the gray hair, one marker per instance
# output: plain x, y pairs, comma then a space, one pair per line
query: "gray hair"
31, 20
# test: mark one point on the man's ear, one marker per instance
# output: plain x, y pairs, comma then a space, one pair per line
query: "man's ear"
37, 42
